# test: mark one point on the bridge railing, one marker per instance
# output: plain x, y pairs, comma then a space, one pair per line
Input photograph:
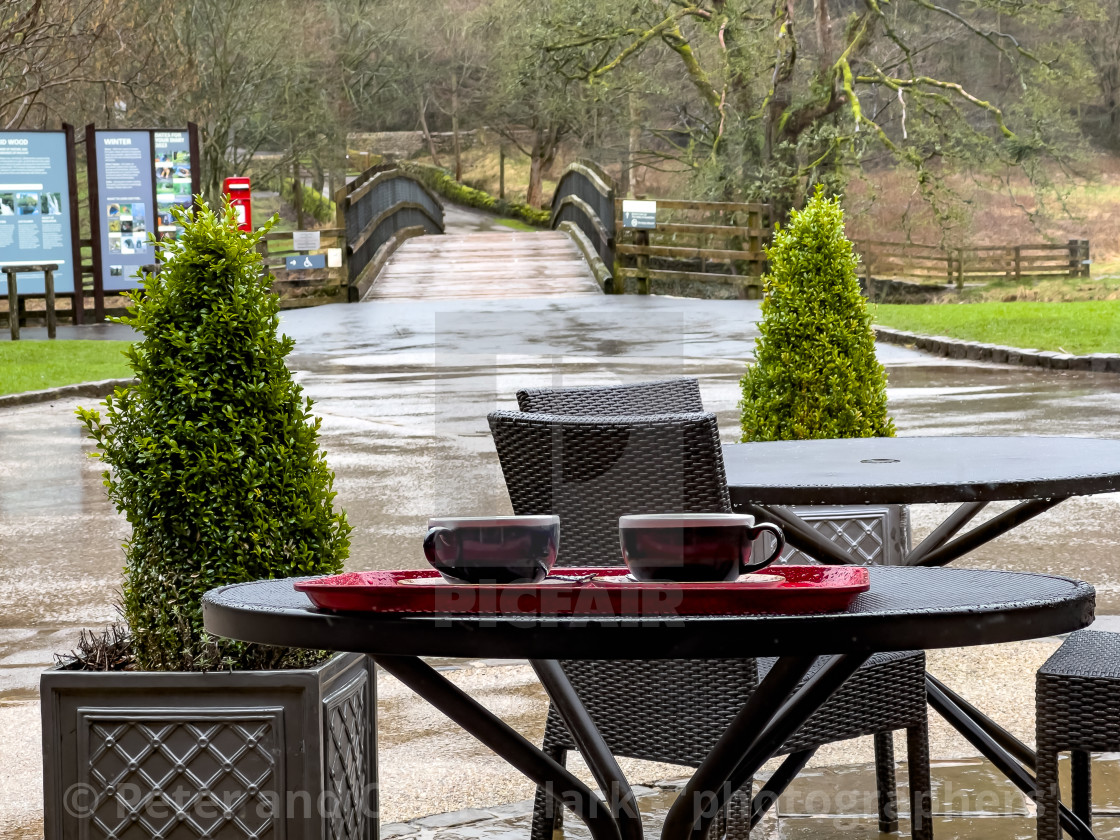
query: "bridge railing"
379, 209
585, 196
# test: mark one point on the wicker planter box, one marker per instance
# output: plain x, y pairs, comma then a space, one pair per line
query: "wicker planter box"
287, 755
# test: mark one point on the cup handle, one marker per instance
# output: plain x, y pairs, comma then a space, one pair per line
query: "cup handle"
448, 537
779, 538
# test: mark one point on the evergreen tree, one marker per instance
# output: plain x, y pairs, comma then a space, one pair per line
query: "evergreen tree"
815, 373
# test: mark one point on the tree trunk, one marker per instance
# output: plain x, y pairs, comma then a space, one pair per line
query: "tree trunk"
545, 145
455, 126
633, 142
297, 194
427, 134
536, 164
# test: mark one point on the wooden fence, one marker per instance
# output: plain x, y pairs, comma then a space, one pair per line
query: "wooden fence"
713, 244
304, 287
955, 265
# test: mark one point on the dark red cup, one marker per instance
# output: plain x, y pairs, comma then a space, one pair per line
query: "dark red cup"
691, 547
492, 549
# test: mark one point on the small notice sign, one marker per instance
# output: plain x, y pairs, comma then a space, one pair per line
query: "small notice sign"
334, 258
299, 263
639, 214
305, 240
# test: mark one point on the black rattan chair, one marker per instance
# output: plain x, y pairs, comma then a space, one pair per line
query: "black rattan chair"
591, 469
1077, 701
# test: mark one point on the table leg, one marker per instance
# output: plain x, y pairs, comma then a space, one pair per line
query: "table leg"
985, 532
944, 532
771, 715
620, 798
505, 741
778, 782
999, 747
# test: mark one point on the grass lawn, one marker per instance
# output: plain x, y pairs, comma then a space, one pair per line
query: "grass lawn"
1074, 327
516, 224
34, 365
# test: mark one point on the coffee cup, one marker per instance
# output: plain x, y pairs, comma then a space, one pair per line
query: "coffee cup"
691, 547
492, 549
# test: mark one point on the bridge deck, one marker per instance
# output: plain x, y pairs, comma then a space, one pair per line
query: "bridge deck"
485, 265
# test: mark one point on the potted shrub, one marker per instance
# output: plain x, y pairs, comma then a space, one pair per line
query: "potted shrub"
213, 457
815, 373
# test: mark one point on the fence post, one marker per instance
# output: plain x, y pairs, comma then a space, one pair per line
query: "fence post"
641, 239
1018, 262
1074, 246
13, 303
1086, 263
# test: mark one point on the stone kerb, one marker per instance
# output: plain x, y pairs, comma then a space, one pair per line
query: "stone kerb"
955, 348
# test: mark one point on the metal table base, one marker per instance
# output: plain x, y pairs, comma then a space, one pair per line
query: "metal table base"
1011, 756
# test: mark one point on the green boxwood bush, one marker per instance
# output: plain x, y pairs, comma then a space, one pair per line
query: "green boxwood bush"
441, 183
815, 373
213, 454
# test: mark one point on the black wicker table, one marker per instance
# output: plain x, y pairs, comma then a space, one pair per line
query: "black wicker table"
905, 608
763, 478
1039, 472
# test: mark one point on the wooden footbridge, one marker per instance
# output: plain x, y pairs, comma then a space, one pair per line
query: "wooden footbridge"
485, 265
384, 214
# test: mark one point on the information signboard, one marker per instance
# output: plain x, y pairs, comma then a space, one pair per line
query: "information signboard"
173, 164
35, 218
641, 215
125, 205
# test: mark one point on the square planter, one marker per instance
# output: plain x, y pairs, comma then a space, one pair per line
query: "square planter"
873, 534
287, 755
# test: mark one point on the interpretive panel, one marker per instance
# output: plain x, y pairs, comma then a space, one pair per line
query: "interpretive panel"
125, 192
173, 178
35, 208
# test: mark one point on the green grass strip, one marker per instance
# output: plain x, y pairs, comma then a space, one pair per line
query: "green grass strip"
1078, 327
34, 365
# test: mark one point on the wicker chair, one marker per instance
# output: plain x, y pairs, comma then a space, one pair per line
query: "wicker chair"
1077, 700
590, 469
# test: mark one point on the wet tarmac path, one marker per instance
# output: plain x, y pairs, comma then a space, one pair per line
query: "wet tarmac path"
404, 389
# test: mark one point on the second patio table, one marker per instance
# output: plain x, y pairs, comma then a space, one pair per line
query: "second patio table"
1039, 472
903, 609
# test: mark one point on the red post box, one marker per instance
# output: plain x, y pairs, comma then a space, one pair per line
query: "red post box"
240, 198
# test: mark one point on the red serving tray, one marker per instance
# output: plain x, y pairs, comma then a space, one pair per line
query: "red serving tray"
806, 589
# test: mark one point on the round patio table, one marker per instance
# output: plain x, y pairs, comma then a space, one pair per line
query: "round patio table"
905, 608
766, 478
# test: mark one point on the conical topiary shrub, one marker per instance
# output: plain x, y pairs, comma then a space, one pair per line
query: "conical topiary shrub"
213, 455
815, 373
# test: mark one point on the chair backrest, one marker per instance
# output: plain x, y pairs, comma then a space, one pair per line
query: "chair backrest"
665, 396
590, 470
